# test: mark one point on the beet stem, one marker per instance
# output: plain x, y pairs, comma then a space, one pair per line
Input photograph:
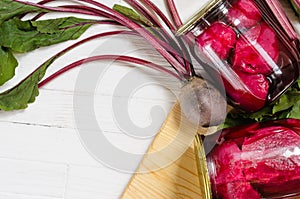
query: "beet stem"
164, 34
140, 9
107, 57
159, 45
156, 43
182, 49
174, 13
152, 6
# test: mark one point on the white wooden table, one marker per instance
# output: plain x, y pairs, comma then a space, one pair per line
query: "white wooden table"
41, 153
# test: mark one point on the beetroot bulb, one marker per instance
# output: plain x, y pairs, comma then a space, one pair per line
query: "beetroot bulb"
261, 160
202, 104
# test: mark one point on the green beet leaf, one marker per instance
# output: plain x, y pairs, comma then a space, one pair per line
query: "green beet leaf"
25, 36
9, 9
26, 91
131, 14
287, 101
295, 111
59, 25
8, 63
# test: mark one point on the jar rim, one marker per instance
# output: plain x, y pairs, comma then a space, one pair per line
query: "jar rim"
202, 168
206, 8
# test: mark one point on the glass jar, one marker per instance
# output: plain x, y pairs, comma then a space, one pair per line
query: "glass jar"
245, 44
251, 162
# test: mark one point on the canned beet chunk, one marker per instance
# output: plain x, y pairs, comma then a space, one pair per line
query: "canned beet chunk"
252, 96
270, 160
244, 14
261, 160
220, 37
229, 183
257, 50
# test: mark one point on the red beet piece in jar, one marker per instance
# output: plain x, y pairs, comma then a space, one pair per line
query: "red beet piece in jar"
220, 37
253, 95
238, 190
228, 180
271, 162
257, 51
244, 14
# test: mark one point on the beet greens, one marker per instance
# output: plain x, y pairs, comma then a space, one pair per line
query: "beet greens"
142, 19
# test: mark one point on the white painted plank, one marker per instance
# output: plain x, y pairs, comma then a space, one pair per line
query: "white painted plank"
58, 145
95, 183
38, 143
87, 178
55, 109
32, 178
23, 196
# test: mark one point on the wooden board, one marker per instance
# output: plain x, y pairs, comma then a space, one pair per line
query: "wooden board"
179, 179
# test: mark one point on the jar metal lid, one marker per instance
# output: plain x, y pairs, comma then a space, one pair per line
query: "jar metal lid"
198, 16
203, 174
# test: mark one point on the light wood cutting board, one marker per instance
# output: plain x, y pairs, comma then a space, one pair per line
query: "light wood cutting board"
177, 180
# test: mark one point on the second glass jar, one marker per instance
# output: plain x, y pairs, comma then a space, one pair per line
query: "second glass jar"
261, 160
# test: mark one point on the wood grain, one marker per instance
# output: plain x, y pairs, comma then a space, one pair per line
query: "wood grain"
178, 180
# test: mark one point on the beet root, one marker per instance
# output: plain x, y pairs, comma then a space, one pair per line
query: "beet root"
202, 103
